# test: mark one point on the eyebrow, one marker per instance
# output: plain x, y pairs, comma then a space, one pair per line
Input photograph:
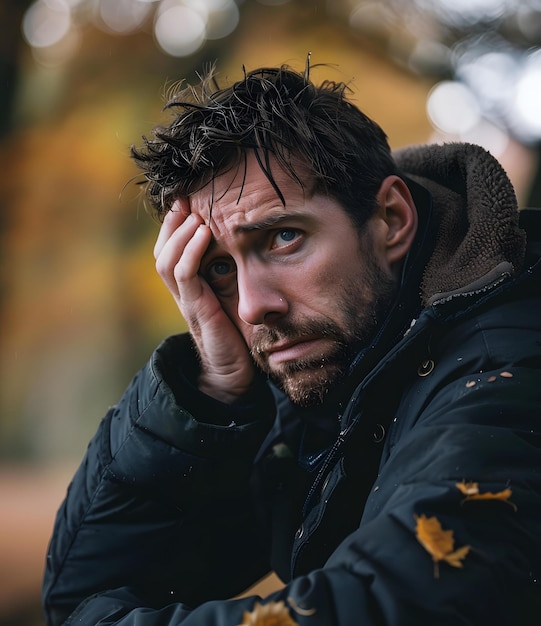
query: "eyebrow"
268, 222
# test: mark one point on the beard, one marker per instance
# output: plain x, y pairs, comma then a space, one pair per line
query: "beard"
362, 308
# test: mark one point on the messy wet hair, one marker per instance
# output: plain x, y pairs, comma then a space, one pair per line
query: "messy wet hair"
314, 133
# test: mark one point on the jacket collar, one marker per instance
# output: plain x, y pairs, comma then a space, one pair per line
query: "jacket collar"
476, 216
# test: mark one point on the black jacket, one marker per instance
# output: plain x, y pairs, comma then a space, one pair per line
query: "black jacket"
412, 496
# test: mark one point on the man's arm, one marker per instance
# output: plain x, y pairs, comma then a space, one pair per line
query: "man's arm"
161, 501
162, 497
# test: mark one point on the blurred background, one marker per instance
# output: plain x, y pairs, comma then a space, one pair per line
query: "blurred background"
80, 81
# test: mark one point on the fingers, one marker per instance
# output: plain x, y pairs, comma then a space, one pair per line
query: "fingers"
172, 220
181, 244
186, 271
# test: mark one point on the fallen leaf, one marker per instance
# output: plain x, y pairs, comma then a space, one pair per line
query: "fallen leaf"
471, 491
270, 614
439, 543
468, 489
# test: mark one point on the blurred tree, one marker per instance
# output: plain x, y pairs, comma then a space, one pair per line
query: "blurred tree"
11, 12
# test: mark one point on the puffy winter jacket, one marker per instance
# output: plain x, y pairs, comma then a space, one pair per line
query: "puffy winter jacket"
412, 496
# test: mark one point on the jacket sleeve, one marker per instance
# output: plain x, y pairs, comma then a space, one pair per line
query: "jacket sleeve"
141, 510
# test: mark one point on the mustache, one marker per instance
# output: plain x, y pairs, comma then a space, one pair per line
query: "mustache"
266, 336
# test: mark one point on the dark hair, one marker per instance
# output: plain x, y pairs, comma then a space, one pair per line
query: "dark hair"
274, 112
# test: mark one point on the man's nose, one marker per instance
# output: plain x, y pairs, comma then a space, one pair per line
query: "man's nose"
260, 297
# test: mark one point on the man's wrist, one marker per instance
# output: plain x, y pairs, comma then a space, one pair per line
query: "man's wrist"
208, 385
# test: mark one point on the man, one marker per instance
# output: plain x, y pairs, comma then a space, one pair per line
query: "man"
356, 405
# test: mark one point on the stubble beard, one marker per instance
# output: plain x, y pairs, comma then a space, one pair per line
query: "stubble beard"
308, 381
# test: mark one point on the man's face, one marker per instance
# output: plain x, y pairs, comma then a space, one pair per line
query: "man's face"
303, 287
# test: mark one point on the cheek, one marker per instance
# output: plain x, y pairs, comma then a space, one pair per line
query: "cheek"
246, 331
325, 280
230, 306
316, 286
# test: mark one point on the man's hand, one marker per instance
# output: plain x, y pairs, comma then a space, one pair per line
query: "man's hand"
227, 369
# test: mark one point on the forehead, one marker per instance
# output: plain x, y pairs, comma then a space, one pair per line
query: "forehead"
245, 194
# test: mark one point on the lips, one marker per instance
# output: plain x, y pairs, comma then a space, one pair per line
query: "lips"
291, 350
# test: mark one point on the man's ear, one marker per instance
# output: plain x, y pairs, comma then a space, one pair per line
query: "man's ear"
395, 207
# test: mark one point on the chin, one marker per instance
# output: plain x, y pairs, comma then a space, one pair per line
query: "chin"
310, 387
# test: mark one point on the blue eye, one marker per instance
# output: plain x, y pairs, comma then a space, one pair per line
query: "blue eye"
221, 268
288, 235
285, 236
219, 272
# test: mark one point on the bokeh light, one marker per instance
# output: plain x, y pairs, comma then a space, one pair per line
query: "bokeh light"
223, 18
466, 12
46, 22
179, 30
123, 16
452, 108
527, 99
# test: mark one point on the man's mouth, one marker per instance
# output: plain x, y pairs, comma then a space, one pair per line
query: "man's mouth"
292, 350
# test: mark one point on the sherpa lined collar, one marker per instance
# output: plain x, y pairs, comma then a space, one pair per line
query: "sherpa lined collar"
475, 207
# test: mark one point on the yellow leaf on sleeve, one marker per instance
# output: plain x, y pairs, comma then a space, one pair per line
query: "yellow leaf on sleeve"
270, 614
439, 543
471, 491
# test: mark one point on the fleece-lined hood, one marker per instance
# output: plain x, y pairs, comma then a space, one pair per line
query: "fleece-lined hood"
475, 206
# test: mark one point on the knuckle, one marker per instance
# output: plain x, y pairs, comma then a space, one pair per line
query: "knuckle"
169, 222
179, 273
162, 267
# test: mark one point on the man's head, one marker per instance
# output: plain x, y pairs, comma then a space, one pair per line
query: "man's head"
273, 113
309, 223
